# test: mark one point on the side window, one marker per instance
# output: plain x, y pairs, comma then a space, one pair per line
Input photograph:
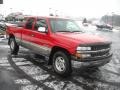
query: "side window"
40, 23
29, 23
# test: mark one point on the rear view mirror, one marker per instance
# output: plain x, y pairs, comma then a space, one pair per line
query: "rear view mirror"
42, 29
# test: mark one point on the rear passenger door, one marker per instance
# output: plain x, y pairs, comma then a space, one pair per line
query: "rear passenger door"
27, 33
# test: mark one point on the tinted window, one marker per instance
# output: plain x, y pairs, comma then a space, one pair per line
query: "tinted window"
29, 23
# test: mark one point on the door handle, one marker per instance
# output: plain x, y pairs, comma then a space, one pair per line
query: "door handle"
32, 35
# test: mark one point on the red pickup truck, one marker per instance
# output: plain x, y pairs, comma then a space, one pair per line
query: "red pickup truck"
60, 40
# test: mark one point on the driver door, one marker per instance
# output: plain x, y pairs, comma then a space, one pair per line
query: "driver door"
41, 40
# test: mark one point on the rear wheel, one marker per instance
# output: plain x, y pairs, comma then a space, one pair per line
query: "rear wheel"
13, 46
62, 64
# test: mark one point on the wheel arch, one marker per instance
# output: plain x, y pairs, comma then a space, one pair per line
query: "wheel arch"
55, 49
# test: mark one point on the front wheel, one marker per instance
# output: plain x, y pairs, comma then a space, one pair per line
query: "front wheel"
13, 46
62, 64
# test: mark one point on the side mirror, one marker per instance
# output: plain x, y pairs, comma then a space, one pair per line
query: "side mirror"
42, 29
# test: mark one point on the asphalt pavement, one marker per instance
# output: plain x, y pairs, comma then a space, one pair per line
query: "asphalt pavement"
26, 72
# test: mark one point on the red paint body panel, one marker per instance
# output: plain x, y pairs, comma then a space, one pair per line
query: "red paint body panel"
66, 40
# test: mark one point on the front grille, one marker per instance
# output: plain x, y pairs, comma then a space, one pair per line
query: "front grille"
100, 53
99, 48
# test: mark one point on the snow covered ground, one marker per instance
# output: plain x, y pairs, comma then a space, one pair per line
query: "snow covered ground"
26, 72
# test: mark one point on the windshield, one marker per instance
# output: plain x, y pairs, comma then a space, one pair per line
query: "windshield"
64, 25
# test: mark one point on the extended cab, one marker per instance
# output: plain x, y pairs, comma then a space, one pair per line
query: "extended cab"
60, 40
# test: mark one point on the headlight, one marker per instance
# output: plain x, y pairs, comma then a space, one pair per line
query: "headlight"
79, 51
83, 48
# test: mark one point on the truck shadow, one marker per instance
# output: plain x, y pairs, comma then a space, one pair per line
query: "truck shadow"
85, 78
22, 74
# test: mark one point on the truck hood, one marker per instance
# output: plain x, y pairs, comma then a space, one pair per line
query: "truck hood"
81, 38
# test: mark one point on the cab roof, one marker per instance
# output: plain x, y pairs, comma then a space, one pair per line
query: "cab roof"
48, 17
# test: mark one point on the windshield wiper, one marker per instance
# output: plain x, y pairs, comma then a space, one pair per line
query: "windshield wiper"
76, 31
69, 31
63, 31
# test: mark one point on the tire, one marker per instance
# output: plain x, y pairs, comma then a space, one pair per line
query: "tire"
13, 46
62, 64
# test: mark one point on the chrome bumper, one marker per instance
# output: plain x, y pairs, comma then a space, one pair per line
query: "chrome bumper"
100, 61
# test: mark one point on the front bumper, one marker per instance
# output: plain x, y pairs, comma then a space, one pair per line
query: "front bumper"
97, 61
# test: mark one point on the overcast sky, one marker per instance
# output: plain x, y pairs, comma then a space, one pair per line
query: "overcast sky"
85, 8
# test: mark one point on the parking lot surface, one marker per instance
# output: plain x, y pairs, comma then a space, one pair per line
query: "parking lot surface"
26, 72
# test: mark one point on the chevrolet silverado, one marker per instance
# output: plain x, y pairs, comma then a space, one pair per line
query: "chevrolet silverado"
61, 41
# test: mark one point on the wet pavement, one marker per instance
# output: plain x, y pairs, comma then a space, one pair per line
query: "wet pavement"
25, 72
